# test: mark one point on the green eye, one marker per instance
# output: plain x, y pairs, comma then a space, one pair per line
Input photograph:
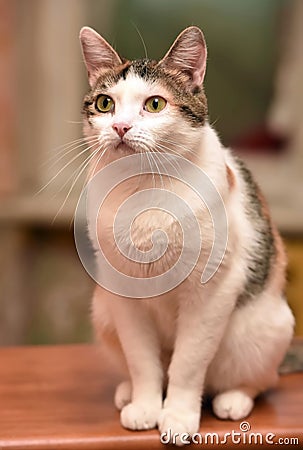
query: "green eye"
104, 103
155, 104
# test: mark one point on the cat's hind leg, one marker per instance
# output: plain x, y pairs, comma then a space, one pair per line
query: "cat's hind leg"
247, 361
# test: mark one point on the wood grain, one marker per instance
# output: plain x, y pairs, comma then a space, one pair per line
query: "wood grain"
61, 397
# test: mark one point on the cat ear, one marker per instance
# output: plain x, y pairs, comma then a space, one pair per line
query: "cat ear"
97, 53
188, 54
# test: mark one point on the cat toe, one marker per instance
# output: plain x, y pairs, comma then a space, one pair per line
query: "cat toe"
123, 394
137, 416
234, 405
176, 426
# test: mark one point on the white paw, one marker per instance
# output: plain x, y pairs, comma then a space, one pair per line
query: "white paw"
123, 394
233, 405
139, 416
176, 426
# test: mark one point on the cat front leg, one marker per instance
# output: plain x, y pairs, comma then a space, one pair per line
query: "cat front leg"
200, 327
140, 343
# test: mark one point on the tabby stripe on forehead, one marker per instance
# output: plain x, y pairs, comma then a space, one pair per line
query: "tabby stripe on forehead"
124, 72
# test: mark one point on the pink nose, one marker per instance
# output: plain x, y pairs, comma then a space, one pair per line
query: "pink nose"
121, 128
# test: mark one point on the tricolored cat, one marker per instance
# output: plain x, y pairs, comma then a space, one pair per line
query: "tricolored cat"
226, 337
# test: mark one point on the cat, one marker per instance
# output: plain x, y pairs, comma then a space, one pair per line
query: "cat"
225, 337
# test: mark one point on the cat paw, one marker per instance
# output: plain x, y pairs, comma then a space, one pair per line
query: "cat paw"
123, 394
233, 405
139, 416
177, 426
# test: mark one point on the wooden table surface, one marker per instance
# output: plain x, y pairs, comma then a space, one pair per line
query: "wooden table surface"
61, 397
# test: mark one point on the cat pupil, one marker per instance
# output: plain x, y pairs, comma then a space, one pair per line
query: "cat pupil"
155, 103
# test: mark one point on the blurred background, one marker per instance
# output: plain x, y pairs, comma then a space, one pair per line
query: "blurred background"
255, 93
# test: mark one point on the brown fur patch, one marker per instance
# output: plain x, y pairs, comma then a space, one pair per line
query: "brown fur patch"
264, 205
262, 253
277, 276
276, 279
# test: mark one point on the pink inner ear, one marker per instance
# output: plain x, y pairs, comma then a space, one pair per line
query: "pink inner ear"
188, 54
200, 67
97, 53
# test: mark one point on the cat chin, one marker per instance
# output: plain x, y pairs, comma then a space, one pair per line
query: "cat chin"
127, 149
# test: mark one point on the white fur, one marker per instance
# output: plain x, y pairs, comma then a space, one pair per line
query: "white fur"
192, 339
234, 404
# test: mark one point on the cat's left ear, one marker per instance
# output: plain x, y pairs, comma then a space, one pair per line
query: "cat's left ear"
188, 54
97, 53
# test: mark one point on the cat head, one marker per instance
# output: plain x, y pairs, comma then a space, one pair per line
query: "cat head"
145, 105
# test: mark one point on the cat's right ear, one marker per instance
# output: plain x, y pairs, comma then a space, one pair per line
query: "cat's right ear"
97, 53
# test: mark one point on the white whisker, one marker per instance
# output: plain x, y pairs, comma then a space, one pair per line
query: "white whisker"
174, 164
141, 38
89, 157
62, 169
70, 145
75, 181
161, 154
62, 147
151, 168
91, 172
94, 141
178, 145
158, 169
74, 122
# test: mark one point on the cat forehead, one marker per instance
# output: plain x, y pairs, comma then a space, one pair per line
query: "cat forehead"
135, 86
136, 75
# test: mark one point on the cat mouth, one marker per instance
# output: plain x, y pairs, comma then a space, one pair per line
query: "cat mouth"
123, 146
126, 147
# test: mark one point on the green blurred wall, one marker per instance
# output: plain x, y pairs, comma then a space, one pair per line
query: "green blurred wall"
242, 38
